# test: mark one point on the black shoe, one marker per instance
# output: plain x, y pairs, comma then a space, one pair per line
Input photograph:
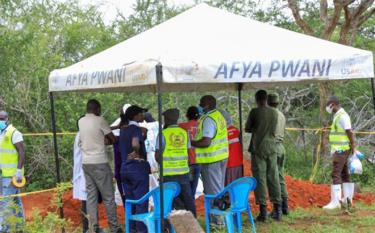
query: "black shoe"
284, 206
276, 213
263, 215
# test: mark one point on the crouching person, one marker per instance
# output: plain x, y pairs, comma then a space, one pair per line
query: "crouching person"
175, 145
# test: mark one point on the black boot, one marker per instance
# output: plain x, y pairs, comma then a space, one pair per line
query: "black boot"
262, 217
284, 206
276, 212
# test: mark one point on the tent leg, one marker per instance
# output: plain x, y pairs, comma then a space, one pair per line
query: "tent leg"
373, 91
239, 89
159, 79
56, 152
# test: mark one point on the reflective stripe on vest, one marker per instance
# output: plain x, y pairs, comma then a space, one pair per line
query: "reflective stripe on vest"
218, 149
338, 138
8, 154
175, 154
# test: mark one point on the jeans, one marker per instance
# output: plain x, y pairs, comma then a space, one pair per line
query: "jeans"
195, 171
6, 206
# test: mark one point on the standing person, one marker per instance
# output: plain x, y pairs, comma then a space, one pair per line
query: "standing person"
211, 148
191, 127
135, 169
262, 123
235, 159
273, 101
12, 159
95, 133
175, 145
79, 182
116, 126
152, 127
342, 140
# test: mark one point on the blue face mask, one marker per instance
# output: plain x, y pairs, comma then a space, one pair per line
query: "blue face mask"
3, 125
200, 110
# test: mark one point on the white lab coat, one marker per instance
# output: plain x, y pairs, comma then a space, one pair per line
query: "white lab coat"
79, 181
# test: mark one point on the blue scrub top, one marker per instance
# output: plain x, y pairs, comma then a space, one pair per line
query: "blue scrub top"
125, 144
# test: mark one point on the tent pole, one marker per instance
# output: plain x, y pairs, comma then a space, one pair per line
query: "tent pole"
239, 89
159, 79
56, 152
373, 91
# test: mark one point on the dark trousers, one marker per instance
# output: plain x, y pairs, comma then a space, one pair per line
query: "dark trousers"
135, 185
84, 220
340, 171
195, 171
185, 200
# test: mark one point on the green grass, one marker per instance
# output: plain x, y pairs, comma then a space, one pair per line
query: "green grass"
317, 220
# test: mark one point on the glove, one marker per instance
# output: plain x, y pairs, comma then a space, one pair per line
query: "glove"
18, 175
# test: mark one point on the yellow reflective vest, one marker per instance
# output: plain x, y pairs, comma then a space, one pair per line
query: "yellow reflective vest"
175, 154
338, 138
8, 154
218, 150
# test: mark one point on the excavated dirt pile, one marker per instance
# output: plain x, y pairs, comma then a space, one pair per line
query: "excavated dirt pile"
301, 194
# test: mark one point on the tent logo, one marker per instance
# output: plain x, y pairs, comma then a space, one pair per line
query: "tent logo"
349, 67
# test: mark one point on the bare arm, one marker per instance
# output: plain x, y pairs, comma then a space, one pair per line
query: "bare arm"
202, 143
110, 139
21, 154
157, 156
351, 137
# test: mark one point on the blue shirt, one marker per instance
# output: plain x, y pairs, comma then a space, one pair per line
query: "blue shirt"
126, 136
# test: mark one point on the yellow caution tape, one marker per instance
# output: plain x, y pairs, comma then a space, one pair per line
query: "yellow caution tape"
289, 129
66, 186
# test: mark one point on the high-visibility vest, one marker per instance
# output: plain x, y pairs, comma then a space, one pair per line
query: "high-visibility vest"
338, 138
175, 154
218, 149
8, 154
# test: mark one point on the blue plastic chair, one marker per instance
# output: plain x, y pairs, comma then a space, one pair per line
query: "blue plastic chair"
239, 191
152, 219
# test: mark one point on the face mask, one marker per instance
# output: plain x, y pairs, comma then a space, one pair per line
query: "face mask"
329, 109
200, 110
3, 125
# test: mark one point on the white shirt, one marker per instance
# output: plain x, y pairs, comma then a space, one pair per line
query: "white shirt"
344, 122
79, 182
209, 127
16, 137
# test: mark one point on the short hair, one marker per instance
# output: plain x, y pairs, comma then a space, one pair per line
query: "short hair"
192, 113
334, 99
261, 95
210, 100
4, 113
92, 105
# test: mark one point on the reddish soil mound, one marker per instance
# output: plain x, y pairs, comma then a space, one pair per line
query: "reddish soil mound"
301, 194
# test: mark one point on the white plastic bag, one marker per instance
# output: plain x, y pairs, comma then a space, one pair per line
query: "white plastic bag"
355, 165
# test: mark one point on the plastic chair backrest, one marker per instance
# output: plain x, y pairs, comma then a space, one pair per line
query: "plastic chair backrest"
239, 191
171, 190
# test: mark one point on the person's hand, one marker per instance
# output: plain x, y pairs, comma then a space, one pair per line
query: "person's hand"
18, 175
133, 155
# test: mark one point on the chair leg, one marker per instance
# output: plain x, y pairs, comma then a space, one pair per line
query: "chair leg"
158, 226
251, 219
150, 223
207, 215
229, 223
127, 224
239, 222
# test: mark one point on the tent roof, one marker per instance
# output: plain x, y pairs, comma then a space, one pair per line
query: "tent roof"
206, 48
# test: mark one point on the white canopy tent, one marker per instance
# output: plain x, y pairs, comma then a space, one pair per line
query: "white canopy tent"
209, 48
206, 48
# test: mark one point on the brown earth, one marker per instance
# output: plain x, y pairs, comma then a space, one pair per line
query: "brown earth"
302, 194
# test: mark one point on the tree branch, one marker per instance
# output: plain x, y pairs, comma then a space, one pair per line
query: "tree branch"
363, 18
323, 10
292, 4
332, 22
346, 27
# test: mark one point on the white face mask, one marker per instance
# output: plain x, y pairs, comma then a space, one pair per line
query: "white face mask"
329, 109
